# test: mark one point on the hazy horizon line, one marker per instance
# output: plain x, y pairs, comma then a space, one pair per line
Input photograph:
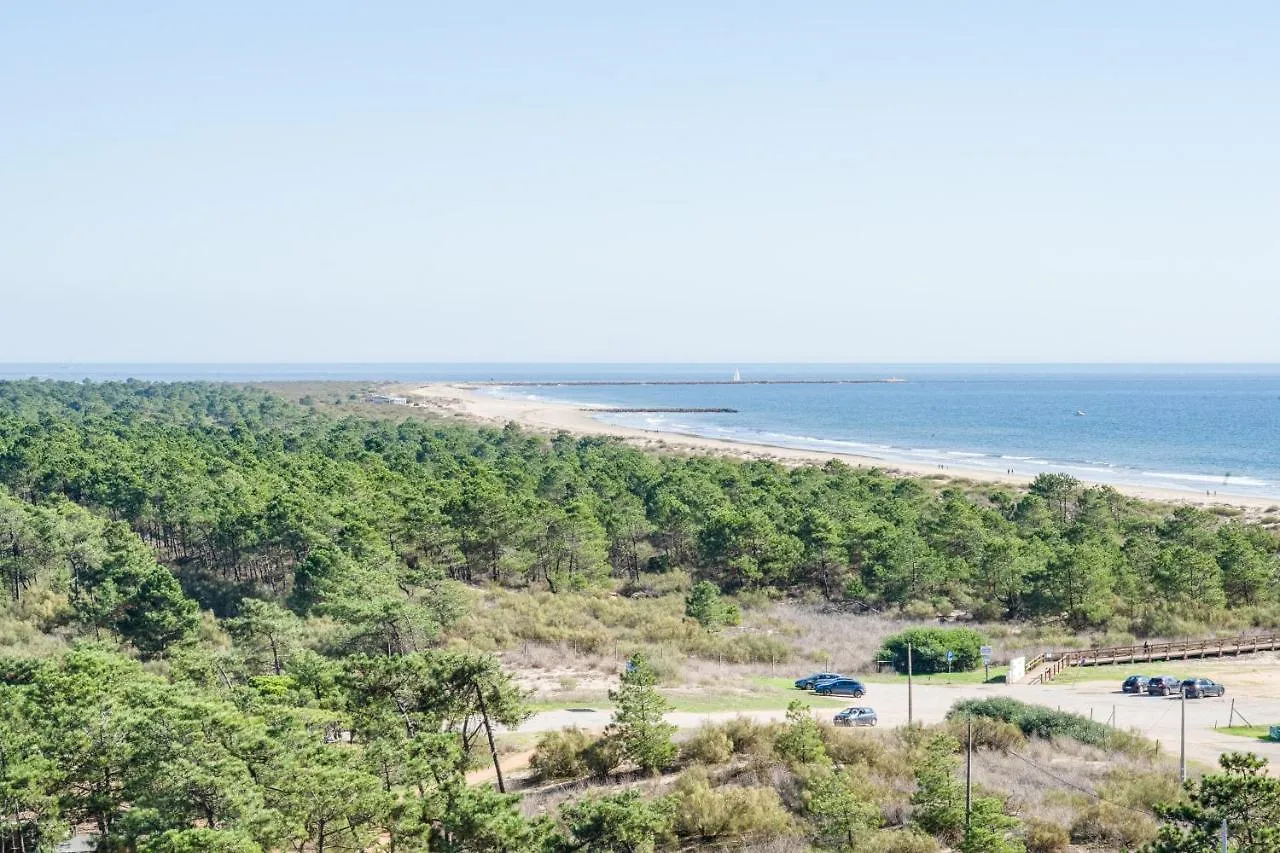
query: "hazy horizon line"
730, 363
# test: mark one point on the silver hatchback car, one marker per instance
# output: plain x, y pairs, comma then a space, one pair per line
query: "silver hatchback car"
855, 717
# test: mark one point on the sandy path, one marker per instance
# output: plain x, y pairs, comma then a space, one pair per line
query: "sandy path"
463, 401
1156, 717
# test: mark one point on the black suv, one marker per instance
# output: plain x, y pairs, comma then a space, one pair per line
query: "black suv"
1163, 685
1196, 688
1134, 684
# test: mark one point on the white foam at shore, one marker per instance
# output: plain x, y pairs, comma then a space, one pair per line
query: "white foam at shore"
1089, 471
1094, 472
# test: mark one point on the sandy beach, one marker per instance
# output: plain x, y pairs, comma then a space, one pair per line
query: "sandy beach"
463, 400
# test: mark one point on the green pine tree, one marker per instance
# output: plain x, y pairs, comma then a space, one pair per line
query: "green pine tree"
638, 724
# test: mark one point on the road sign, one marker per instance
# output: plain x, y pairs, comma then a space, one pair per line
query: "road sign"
985, 651
950, 656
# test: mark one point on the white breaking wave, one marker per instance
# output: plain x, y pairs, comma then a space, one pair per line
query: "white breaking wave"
1090, 471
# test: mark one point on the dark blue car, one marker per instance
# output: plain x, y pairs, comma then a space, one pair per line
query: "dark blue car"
1196, 688
841, 687
811, 681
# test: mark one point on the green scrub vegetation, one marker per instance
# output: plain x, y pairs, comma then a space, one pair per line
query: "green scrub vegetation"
231, 622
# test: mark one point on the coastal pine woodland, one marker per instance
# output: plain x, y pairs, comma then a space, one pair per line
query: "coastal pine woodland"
235, 619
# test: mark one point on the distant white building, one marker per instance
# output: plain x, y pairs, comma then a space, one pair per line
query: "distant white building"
78, 844
394, 399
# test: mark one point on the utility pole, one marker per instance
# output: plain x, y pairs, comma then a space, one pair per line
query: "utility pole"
909, 709
1182, 752
968, 779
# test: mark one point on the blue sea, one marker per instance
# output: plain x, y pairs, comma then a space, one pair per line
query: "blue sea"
1201, 428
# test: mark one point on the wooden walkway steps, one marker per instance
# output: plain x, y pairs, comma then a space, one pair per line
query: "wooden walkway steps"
1044, 668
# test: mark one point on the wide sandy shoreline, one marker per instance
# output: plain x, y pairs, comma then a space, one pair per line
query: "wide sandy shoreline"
462, 400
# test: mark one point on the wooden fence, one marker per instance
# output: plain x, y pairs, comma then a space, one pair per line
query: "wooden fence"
1055, 662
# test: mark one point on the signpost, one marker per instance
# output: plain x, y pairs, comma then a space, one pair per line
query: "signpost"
909, 709
986, 651
950, 657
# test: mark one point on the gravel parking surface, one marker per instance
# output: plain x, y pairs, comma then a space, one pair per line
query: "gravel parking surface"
1156, 717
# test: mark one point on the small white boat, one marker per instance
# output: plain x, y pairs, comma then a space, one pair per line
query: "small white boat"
1079, 413
737, 377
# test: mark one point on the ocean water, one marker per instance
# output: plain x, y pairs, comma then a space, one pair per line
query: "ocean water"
1200, 430
1213, 428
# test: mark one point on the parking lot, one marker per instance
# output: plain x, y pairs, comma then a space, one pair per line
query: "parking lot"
1250, 683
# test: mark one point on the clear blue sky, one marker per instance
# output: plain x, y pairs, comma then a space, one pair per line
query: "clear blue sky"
236, 181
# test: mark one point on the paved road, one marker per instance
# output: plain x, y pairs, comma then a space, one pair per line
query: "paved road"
1156, 717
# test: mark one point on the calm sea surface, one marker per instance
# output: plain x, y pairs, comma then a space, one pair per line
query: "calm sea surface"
1197, 428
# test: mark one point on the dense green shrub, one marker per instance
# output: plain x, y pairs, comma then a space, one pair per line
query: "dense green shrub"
1043, 836
898, 840
749, 737
1243, 794
989, 830
731, 812
938, 800
929, 647
708, 608
1112, 827
800, 742
623, 822
604, 756
988, 732
856, 747
561, 754
1038, 721
1140, 789
709, 745
843, 805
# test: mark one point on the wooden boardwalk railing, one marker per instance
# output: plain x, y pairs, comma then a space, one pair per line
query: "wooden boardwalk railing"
1054, 663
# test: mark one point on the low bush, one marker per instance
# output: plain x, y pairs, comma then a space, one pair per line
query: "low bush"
1140, 789
709, 745
1112, 827
800, 740
705, 605
929, 647
749, 737
1045, 836
1038, 721
603, 757
561, 754
988, 733
903, 840
621, 821
708, 813
853, 747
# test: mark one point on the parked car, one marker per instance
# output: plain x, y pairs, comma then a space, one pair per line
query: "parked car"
841, 687
856, 717
1163, 685
1196, 688
1135, 684
811, 681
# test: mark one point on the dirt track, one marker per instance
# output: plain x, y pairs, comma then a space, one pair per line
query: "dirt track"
1156, 717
